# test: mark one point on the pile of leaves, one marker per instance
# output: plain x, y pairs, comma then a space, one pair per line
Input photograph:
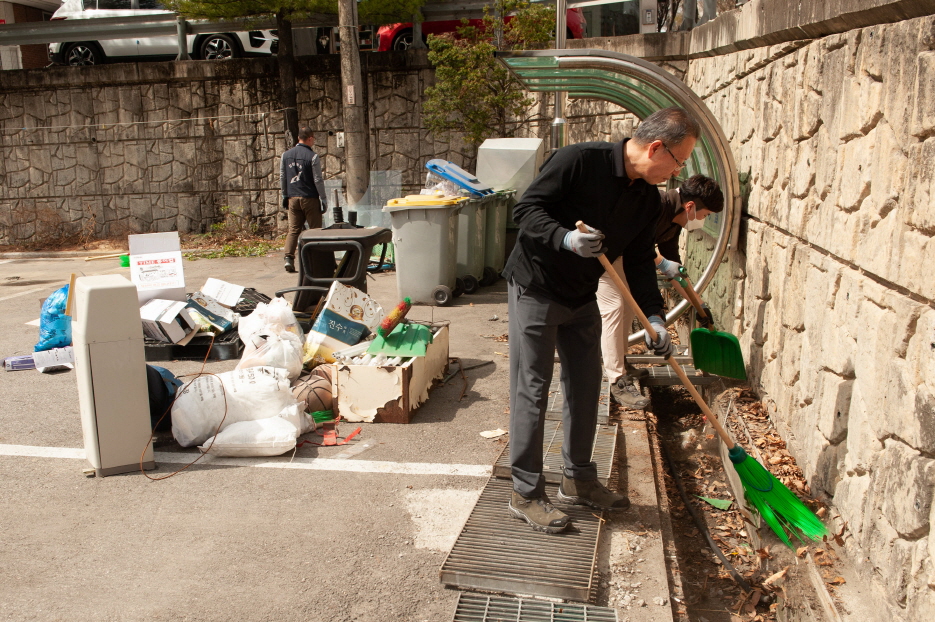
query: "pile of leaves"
749, 425
237, 234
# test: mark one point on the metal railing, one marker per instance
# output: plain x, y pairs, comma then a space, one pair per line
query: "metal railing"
99, 29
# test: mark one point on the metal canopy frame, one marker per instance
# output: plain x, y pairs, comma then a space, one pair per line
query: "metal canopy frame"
642, 88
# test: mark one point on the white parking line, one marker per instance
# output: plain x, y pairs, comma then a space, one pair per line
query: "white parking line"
28, 291
282, 462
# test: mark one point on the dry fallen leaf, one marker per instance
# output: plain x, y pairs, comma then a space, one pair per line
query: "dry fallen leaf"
776, 576
821, 512
800, 552
837, 581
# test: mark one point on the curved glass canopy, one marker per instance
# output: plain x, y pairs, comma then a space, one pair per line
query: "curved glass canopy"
642, 88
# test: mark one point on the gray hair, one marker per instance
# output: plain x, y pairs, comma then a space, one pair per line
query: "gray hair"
670, 125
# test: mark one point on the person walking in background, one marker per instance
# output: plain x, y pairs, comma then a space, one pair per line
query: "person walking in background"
303, 198
552, 277
682, 208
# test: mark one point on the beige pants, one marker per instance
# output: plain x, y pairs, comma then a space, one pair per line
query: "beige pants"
616, 321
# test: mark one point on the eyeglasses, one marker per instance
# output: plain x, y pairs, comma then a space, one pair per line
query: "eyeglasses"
681, 165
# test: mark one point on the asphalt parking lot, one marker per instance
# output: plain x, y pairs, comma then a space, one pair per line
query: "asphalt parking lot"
285, 541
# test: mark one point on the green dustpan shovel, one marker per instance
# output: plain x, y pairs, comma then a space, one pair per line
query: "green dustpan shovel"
405, 340
713, 351
717, 352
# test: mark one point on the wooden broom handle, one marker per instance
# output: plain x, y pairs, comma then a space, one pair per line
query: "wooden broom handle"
693, 296
628, 299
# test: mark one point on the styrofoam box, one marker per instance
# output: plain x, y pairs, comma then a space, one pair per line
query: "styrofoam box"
389, 394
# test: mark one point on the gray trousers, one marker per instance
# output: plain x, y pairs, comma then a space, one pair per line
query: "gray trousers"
537, 327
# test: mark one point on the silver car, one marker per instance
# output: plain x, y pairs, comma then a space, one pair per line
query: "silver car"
214, 46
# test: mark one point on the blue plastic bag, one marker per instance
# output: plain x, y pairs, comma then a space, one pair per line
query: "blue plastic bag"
54, 325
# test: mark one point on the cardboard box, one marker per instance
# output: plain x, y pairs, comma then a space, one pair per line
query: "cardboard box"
167, 320
156, 266
389, 394
220, 317
19, 363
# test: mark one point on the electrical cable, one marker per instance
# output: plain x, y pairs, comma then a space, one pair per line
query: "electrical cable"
702, 526
179, 392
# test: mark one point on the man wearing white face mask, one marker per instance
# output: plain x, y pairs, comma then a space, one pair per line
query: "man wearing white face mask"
682, 208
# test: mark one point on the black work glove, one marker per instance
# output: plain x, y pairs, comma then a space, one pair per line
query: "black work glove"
707, 321
324, 207
285, 204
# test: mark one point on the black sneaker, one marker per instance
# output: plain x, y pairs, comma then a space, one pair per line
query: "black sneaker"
626, 394
591, 493
539, 513
290, 264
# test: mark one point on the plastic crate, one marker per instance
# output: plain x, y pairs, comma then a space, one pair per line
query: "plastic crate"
249, 300
226, 347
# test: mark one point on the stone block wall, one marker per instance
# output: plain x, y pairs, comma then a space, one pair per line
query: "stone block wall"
830, 290
144, 147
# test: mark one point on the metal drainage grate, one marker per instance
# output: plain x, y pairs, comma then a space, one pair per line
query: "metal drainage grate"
666, 376
556, 401
484, 608
605, 443
499, 553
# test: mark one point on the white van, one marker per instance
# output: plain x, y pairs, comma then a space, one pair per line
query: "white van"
215, 46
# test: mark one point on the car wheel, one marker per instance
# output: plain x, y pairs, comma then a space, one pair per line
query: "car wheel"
78, 54
403, 41
219, 47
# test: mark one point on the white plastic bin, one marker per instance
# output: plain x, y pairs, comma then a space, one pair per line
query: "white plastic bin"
425, 238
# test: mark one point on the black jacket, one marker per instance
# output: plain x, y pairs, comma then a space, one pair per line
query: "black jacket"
300, 174
586, 182
667, 232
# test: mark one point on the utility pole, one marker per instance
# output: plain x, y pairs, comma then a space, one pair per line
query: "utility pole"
558, 123
356, 134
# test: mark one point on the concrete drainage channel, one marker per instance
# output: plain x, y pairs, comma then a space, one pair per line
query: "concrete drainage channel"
648, 563
625, 561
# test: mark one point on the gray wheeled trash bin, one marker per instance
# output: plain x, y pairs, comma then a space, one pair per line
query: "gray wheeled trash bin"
425, 238
498, 213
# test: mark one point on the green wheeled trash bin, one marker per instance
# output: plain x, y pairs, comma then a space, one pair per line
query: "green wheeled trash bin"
498, 213
472, 227
425, 240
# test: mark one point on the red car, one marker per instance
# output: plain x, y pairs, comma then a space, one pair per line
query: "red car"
399, 36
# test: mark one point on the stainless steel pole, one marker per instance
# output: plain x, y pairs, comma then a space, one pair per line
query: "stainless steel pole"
558, 123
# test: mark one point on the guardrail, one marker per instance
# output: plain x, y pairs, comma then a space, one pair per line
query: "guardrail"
135, 26
98, 29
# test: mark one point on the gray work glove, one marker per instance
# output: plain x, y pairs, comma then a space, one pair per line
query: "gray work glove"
663, 345
670, 269
590, 244
285, 204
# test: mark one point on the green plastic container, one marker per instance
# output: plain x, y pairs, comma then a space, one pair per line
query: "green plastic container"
498, 214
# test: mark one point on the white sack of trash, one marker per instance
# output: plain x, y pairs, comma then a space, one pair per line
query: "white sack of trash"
273, 346
246, 395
